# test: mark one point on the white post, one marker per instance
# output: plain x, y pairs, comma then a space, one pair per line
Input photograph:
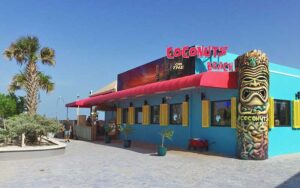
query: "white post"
78, 106
77, 111
23, 140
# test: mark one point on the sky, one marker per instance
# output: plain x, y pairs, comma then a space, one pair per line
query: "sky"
95, 40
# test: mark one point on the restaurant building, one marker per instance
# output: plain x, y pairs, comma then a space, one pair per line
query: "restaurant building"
243, 106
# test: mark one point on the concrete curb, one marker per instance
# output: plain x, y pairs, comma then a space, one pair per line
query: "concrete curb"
29, 152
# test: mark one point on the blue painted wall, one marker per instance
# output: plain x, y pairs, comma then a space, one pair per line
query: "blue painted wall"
110, 116
150, 133
222, 139
282, 140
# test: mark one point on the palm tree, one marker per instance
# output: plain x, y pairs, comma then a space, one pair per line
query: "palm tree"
18, 82
26, 51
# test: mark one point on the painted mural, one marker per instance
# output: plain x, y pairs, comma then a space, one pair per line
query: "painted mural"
155, 71
252, 126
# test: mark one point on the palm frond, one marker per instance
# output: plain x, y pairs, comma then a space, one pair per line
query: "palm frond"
23, 50
8, 53
45, 82
14, 52
47, 56
18, 82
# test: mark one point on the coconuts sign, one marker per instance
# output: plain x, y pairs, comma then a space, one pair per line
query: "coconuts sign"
209, 55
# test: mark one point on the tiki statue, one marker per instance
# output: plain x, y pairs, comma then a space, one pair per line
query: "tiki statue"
252, 125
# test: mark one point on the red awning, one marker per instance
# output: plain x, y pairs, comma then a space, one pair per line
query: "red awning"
224, 80
79, 103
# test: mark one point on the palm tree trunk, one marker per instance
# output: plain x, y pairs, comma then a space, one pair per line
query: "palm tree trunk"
31, 87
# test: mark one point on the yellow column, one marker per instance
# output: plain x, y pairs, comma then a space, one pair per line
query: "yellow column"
233, 112
185, 113
296, 114
164, 115
119, 116
131, 115
205, 113
271, 113
146, 115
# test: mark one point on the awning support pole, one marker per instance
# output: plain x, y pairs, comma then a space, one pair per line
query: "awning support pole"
78, 111
67, 113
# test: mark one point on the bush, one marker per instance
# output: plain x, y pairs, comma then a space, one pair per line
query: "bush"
166, 133
3, 134
126, 130
32, 126
11, 105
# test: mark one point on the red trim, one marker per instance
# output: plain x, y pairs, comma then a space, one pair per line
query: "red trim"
79, 103
226, 80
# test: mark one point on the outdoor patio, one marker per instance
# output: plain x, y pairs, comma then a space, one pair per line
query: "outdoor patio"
95, 164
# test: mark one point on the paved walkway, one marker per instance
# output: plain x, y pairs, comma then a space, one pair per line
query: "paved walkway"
87, 164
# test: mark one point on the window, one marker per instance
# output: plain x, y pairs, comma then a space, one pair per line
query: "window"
138, 115
221, 113
282, 113
125, 115
175, 113
155, 114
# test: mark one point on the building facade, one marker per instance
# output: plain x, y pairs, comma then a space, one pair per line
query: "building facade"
198, 97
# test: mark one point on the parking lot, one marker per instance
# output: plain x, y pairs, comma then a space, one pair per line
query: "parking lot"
94, 164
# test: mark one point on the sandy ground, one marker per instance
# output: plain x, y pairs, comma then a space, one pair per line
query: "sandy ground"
94, 164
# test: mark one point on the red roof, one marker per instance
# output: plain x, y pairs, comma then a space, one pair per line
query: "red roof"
226, 80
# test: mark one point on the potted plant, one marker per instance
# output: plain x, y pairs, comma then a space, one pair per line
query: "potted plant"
107, 130
166, 133
126, 130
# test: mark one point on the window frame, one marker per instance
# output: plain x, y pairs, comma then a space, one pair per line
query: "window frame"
123, 115
152, 114
212, 110
171, 115
136, 112
289, 112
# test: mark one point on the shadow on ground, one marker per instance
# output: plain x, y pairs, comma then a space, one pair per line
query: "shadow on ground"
135, 146
294, 181
151, 149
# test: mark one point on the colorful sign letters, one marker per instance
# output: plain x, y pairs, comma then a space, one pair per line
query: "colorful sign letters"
211, 52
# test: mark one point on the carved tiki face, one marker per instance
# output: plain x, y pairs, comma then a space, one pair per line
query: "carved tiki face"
254, 83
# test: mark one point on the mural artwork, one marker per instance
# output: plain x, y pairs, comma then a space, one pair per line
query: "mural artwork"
252, 126
155, 71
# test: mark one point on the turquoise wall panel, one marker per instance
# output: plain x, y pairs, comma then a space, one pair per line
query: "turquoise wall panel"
284, 83
283, 140
222, 139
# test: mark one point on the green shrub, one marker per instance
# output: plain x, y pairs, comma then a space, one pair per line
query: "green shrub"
32, 126
50, 125
108, 129
166, 133
3, 134
126, 130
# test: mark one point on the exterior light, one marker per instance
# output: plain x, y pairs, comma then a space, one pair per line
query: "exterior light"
187, 98
202, 96
145, 102
297, 95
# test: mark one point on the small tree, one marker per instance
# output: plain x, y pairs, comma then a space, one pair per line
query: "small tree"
126, 130
107, 129
166, 133
10, 105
